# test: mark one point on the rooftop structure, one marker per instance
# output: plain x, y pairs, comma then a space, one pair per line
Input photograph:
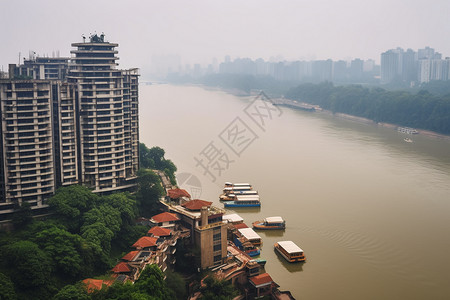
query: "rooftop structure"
208, 230
178, 193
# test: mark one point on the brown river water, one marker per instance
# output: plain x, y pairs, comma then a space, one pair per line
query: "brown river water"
370, 211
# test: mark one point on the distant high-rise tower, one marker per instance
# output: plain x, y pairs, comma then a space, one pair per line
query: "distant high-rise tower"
391, 65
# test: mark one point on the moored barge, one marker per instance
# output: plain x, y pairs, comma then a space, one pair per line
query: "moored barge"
270, 223
290, 251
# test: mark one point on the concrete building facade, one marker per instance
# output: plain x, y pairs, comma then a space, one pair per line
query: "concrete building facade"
68, 121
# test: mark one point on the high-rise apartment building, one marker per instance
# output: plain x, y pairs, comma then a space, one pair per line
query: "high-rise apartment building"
27, 146
391, 65
68, 121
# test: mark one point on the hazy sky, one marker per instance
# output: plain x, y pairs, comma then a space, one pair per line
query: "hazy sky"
197, 31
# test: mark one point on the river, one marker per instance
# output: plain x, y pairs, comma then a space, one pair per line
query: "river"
370, 211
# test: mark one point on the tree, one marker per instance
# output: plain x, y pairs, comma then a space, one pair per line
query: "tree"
217, 289
125, 203
176, 284
149, 192
70, 203
151, 282
28, 266
72, 292
6, 288
119, 291
98, 237
64, 249
144, 157
156, 154
23, 215
105, 214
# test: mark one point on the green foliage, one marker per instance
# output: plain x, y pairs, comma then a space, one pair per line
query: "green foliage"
28, 266
151, 282
105, 214
23, 215
126, 204
217, 289
64, 249
176, 284
72, 292
98, 237
75, 242
70, 203
437, 87
6, 288
120, 291
153, 158
149, 286
127, 236
149, 192
187, 256
144, 157
422, 110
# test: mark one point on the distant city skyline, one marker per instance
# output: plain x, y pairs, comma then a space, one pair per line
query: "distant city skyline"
198, 31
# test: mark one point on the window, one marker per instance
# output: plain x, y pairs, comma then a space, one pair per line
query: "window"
217, 247
217, 236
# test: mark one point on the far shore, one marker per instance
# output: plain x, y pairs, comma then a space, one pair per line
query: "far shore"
301, 105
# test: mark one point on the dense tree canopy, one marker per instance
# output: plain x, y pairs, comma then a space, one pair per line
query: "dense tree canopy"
215, 289
84, 237
29, 267
422, 110
6, 288
149, 192
153, 158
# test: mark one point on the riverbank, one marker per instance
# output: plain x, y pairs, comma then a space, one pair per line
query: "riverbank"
308, 107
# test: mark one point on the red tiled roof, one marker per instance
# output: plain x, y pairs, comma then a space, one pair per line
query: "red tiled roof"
196, 204
165, 217
145, 241
121, 267
178, 193
159, 231
93, 284
130, 255
240, 226
261, 279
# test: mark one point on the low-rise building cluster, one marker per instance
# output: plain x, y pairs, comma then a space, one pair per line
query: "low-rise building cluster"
223, 240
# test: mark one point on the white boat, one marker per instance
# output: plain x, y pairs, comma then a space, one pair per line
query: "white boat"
290, 251
270, 223
408, 140
407, 130
232, 196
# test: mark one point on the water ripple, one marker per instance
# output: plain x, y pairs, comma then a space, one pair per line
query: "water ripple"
377, 253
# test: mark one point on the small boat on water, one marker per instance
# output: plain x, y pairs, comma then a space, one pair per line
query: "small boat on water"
232, 196
261, 261
408, 140
244, 201
407, 130
229, 184
248, 241
290, 251
270, 223
234, 190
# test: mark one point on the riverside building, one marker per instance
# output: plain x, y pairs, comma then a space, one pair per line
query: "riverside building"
67, 121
